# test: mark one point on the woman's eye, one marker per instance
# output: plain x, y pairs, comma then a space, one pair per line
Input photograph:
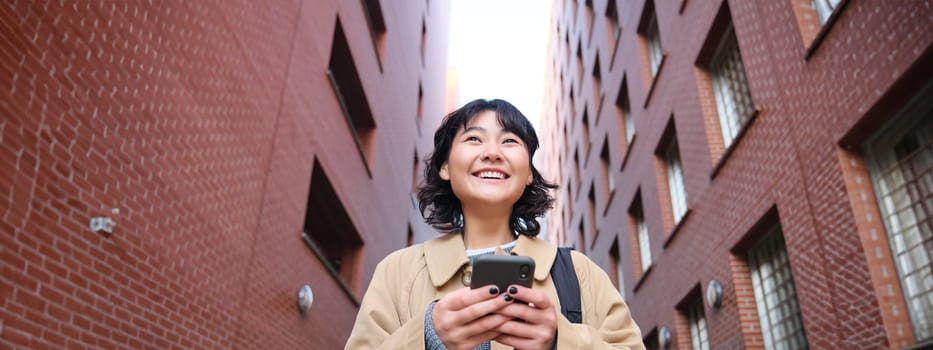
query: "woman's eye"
472, 139
510, 141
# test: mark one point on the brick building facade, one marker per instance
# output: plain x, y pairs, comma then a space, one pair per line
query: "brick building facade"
242, 149
778, 151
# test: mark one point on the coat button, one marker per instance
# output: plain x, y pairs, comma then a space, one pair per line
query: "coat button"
466, 276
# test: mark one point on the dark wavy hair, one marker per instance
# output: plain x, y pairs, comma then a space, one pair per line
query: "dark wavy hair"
436, 200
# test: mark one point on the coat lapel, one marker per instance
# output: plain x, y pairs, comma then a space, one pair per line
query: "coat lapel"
541, 251
446, 255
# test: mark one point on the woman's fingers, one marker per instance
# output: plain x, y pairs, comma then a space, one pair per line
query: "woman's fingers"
465, 305
466, 317
525, 335
530, 326
482, 329
466, 297
531, 296
534, 306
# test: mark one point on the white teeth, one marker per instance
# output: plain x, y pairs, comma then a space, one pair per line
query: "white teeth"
491, 175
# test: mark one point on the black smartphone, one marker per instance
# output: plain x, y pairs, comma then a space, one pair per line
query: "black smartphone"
502, 271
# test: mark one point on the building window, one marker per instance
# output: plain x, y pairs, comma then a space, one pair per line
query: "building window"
580, 64
420, 115
597, 95
613, 30
900, 160
566, 137
699, 336
330, 232
775, 295
573, 104
644, 243
641, 237
424, 38
652, 37
346, 83
377, 27
415, 180
604, 159
733, 99
591, 197
825, 8
690, 322
410, 237
568, 51
576, 170
569, 204
586, 134
675, 180
615, 266
624, 111
581, 243
651, 340
654, 45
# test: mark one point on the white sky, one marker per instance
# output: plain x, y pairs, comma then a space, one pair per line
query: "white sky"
499, 48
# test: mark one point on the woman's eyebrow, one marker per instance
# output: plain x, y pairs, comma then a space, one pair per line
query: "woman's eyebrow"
474, 128
481, 129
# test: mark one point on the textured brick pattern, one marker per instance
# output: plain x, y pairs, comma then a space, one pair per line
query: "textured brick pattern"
663, 196
199, 121
635, 247
807, 20
681, 338
745, 302
814, 87
884, 276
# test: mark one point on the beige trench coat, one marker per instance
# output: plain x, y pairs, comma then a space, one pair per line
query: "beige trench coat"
408, 280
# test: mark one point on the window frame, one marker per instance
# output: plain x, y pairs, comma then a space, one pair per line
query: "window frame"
774, 238
909, 118
655, 49
732, 119
696, 320
825, 9
644, 240
673, 164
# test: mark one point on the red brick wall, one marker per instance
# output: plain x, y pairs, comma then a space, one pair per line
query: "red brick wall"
200, 122
815, 90
681, 338
877, 250
744, 303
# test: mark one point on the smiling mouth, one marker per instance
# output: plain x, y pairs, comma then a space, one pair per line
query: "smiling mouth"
491, 175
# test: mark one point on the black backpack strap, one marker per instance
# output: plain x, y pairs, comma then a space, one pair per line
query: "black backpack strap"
567, 285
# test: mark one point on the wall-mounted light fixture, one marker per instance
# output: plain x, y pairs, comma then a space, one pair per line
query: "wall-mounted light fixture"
714, 294
305, 299
104, 223
664, 338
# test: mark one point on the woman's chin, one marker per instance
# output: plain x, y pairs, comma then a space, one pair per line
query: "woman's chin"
490, 200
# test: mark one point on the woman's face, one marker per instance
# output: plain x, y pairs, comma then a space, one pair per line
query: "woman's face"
487, 164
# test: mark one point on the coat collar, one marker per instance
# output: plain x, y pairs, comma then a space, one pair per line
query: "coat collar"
446, 255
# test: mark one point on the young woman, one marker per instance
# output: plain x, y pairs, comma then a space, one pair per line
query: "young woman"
481, 190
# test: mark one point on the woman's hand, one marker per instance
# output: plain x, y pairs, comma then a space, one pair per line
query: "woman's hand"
529, 326
466, 318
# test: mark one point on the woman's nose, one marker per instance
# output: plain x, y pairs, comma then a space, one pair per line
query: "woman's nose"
492, 153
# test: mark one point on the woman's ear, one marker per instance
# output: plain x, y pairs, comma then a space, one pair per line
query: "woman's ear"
443, 173
531, 179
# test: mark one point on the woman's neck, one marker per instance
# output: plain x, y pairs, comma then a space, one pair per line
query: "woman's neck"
482, 230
